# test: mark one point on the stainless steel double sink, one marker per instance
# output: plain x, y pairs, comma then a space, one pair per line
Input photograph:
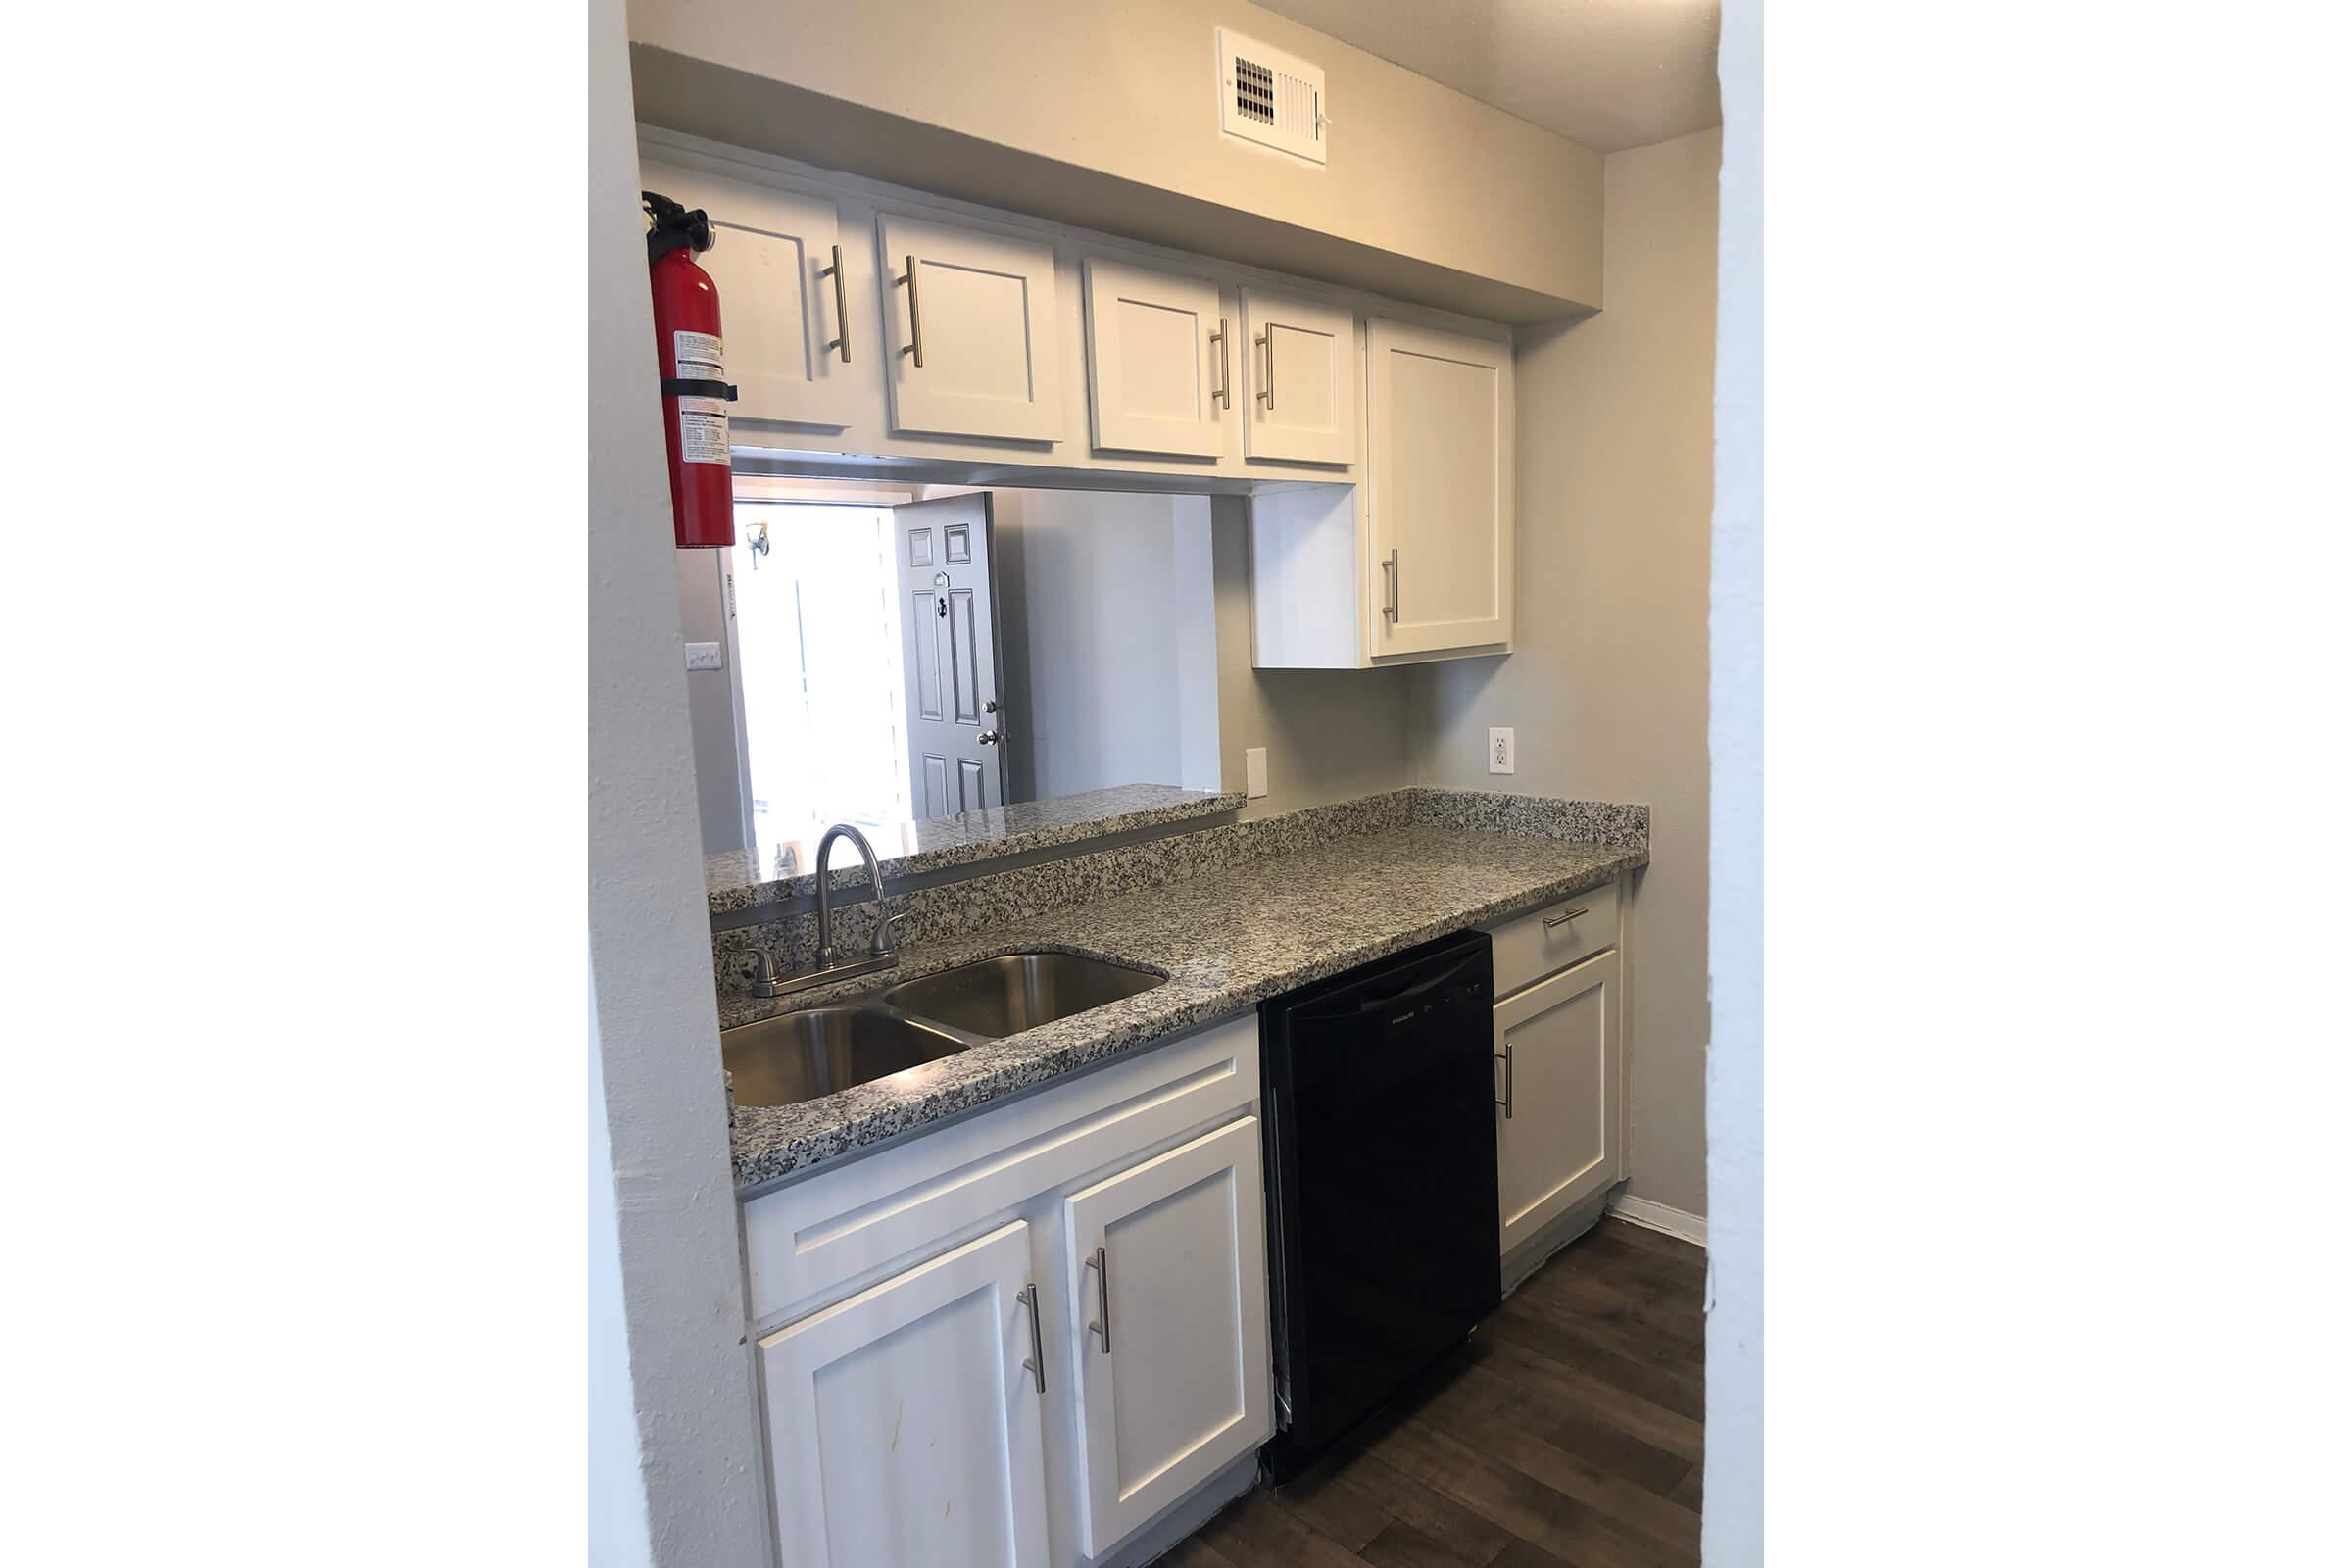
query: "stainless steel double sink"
819, 1050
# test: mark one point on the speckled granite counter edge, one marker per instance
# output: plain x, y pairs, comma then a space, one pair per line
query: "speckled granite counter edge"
724, 875
776, 1143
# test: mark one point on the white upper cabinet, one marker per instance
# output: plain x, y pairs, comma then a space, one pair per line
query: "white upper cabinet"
784, 307
1159, 360
1300, 377
1168, 1276
971, 336
904, 1424
1439, 411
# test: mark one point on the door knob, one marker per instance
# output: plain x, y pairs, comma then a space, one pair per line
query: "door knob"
990, 737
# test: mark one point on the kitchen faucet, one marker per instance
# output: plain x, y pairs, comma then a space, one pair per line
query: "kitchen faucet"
881, 952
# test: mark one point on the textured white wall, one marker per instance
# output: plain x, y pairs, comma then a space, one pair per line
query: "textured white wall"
1733, 1525
654, 1019
1106, 604
1608, 688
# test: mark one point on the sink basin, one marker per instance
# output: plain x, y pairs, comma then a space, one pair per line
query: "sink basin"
810, 1053
998, 997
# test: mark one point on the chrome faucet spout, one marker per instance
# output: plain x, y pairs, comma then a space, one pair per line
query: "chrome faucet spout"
882, 947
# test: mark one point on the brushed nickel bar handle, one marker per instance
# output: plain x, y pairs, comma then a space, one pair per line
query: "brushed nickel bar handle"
841, 305
914, 313
1224, 395
1037, 1338
1552, 922
1100, 1265
1395, 573
1265, 394
1506, 1101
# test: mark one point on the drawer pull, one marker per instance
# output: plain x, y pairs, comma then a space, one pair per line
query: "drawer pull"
1552, 922
1100, 1265
1037, 1338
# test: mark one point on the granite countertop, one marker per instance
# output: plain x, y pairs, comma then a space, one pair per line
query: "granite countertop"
744, 879
1227, 940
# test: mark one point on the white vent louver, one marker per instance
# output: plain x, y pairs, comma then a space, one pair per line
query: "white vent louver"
1270, 98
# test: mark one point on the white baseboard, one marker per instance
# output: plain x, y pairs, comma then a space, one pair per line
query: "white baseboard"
1657, 1216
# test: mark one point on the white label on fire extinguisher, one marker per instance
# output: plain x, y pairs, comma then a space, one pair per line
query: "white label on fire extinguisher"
698, 355
701, 422
702, 430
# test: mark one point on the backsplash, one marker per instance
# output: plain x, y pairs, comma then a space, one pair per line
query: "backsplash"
930, 914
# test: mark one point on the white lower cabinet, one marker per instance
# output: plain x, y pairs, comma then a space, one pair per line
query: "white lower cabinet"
1167, 1271
906, 1423
1558, 1126
1015, 1339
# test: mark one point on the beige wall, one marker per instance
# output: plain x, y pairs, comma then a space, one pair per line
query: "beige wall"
1609, 690
1329, 734
1104, 112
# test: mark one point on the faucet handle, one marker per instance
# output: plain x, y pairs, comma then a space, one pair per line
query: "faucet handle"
883, 945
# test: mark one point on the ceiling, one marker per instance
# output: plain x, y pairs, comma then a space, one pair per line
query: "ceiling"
1609, 73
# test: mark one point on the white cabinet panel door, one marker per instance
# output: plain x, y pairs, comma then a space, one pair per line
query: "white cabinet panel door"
903, 1429
1301, 356
1159, 360
972, 333
1167, 1276
780, 298
1559, 1128
1440, 413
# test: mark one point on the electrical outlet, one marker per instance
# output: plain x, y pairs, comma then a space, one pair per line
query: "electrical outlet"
1502, 750
1253, 767
703, 656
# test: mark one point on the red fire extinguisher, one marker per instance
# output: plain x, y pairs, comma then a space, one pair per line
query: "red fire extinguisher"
695, 393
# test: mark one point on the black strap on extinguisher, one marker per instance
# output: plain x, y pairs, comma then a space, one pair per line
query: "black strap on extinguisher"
673, 386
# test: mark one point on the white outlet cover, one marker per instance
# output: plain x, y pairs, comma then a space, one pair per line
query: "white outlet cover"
1502, 750
1254, 768
703, 656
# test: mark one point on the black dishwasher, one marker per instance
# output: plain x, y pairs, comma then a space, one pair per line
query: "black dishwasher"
1383, 1228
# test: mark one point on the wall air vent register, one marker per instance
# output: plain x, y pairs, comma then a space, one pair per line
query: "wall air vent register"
1270, 98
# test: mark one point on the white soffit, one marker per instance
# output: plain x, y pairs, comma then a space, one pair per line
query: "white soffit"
1608, 73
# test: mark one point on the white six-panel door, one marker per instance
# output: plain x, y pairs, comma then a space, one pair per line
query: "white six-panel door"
787, 323
905, 1429
1439, 406
971, 331
1300, 356
1559, 1075
1159, 360
1167, 1275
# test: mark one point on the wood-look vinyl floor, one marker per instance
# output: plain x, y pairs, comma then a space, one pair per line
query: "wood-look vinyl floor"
1568, 1430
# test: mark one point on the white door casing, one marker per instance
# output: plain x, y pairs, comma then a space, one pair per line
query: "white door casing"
1559, 1048
1300, 378
981, 314
1159, 360
954, 658
1439, 410
1167, 1282
904, 1430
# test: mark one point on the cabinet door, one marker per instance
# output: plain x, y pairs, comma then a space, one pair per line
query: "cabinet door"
1559, 1077
972, 333
903, 1429
1168, 1279
780, 298
1159, 360
1440, 518
1301, 379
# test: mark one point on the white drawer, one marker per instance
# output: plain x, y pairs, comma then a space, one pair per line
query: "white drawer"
839, 1225
1553, 937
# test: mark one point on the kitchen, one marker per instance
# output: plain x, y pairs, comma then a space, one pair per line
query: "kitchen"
1071, 1229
